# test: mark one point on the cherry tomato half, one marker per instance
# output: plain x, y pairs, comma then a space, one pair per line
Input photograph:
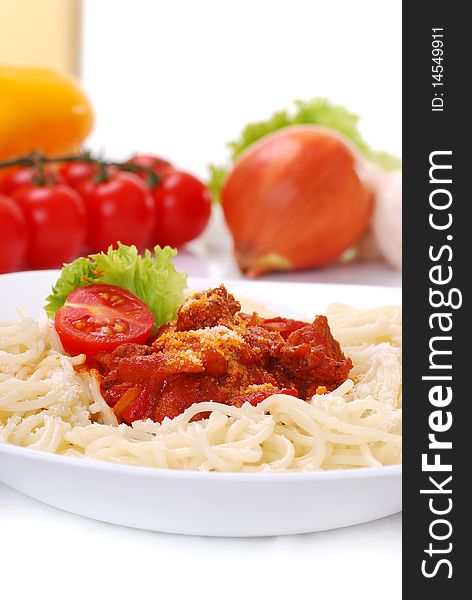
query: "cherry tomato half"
99, 318
56, 224
12, 235
19, 177
183, 207
120, 209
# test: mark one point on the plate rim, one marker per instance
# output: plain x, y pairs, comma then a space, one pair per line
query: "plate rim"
229, 281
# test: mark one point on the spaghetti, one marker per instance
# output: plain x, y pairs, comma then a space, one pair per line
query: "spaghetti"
49, 403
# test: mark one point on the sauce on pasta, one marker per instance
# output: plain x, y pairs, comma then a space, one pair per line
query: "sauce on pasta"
213, 352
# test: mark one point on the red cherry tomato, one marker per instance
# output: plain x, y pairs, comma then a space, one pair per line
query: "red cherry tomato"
76, 173
98, 318
12, 235
56, 224
120, 209
183, 208
19, 177
157, 164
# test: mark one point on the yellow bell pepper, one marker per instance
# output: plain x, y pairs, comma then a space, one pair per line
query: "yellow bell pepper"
41, 109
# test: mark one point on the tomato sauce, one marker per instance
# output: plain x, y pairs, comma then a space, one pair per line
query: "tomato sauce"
213, 352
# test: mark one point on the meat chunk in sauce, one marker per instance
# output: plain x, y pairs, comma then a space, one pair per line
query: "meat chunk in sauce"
212, 352
311, 357
208, 309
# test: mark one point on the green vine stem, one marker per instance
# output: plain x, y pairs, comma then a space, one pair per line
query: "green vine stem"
39, 177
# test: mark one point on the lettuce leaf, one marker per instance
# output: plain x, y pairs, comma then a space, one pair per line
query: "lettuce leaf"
151, 278
318, 111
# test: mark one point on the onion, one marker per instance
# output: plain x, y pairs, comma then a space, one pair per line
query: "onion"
295, 200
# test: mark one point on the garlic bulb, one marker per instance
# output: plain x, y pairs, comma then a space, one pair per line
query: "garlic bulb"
387, 217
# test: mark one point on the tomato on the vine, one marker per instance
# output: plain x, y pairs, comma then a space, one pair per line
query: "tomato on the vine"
156, 163
75, 174
183, 208
12, 235
99, 318
21, 176
120, 209
56, 223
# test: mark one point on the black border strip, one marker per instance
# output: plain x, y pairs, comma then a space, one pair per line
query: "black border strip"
431, 254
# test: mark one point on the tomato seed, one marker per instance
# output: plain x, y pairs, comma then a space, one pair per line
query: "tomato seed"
120, 327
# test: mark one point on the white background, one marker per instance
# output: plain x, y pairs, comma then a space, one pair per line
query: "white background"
180, 78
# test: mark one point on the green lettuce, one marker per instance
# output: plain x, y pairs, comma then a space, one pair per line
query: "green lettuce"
318, 111
152, 278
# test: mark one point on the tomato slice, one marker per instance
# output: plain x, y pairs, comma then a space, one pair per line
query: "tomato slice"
99, 318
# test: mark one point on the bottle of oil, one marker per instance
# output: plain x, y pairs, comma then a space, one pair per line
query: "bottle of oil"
41, 33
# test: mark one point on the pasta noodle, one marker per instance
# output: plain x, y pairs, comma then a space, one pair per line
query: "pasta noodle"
49, 403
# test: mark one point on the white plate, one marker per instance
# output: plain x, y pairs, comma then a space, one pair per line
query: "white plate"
219, 504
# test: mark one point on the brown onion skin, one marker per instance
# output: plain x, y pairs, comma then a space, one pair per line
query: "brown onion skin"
294, 200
